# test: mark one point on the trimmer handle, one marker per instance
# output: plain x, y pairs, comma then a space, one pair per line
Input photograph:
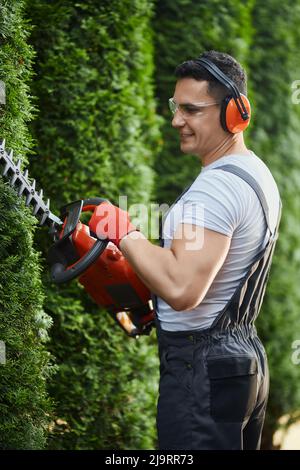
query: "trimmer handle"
62, 257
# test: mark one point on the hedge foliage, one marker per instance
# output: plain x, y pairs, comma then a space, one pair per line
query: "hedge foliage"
95, 135
24, 403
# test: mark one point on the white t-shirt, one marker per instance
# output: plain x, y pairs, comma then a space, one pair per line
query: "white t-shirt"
228, 205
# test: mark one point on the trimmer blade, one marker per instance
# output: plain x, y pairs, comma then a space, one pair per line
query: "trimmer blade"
20, 182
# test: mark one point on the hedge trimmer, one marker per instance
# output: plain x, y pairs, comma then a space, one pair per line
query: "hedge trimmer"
76, 253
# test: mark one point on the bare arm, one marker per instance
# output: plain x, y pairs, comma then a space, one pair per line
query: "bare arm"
182, 274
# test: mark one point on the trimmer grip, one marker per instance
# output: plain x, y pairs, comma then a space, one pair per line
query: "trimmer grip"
61, 273
62, 257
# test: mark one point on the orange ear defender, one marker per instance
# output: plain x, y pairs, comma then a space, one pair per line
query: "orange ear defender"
235, 108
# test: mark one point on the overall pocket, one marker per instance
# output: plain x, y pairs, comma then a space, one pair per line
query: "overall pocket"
179, 363
233, 387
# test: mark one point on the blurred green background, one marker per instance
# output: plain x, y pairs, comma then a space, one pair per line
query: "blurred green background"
87, 84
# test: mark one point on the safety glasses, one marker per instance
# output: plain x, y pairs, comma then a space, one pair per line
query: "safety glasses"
189, 109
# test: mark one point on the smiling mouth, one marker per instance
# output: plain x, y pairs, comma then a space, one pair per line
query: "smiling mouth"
186, 135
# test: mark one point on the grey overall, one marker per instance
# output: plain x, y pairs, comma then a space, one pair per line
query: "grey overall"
214, 383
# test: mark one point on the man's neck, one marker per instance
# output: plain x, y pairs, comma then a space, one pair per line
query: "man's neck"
232, 145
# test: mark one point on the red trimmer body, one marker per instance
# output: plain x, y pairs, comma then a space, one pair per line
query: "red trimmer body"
102, 269
112, 284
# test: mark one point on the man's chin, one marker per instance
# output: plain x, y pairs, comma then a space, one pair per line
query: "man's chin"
185, 148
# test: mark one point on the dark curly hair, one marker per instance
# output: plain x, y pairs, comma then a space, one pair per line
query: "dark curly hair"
225, 62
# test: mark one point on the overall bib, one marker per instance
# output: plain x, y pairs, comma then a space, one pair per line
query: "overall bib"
214, 382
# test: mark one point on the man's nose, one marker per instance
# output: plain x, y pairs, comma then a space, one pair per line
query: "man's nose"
178, 119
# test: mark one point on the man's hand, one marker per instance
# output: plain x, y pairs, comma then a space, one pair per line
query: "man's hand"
109, 221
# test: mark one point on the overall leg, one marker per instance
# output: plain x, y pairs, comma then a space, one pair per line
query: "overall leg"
174, 411
253, 430
212, 392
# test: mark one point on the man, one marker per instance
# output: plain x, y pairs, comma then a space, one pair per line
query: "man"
209, 277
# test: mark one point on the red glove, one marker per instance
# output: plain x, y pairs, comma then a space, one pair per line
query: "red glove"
109, 221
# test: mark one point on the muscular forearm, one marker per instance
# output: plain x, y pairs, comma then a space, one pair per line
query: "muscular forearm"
157, 267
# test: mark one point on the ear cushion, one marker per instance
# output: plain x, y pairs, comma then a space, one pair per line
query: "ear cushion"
231, 118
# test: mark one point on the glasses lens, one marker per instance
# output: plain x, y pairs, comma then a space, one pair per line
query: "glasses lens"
172, 106
189, 109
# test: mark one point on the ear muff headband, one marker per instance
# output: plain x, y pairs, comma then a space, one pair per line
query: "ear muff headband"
226, 81
235, 110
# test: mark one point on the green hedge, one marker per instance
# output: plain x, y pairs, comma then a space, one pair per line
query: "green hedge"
95, 133
24, 404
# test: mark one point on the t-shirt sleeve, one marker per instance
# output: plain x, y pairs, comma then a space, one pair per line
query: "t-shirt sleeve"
214, 202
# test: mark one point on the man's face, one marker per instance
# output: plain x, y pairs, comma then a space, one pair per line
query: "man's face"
199, 128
